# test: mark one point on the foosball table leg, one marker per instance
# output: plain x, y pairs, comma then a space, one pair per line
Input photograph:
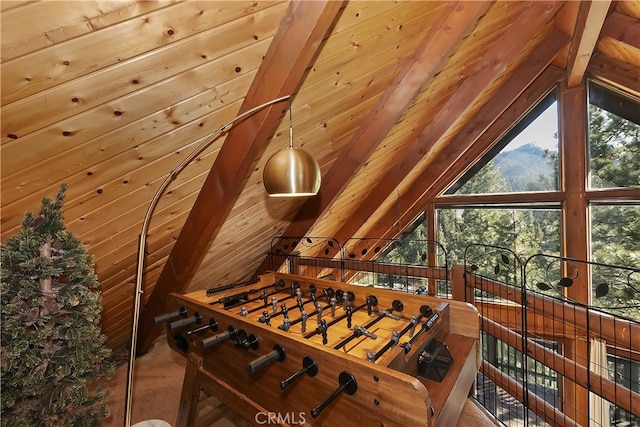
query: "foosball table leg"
190, 392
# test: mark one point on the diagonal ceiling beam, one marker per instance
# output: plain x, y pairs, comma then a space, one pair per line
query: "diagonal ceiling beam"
492, 64
591, 17
529, 83
453, 24
616, 73
613, 71
292, 50
622, 28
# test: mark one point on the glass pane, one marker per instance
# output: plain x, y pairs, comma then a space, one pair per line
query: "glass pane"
614, 139
615, 234
614, 150
615, 240
527, 162
524, 231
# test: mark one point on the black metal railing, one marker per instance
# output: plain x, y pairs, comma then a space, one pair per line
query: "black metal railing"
548, 359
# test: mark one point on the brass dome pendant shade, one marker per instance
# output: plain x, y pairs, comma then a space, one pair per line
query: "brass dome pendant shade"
291, 172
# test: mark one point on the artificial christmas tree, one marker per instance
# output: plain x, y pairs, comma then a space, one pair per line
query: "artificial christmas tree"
52, 345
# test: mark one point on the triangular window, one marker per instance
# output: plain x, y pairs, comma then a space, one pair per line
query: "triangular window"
524, 160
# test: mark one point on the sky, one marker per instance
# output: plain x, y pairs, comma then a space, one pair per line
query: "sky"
540, 132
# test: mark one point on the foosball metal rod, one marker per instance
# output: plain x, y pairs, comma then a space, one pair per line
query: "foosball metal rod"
370, 301
347, 384
322, 308
299, 304
265, 295
309, 367
240, 298
428, 324
297, 294
425, 310
212, 325
396, 305
223, 288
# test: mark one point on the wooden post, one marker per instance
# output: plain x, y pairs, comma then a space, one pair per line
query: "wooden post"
294, 263
432, 256
573, 173
458, 285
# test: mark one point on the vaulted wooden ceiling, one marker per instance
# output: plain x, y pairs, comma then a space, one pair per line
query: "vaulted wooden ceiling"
393, 99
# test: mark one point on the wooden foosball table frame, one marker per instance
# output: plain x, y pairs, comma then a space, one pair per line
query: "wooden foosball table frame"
240, 349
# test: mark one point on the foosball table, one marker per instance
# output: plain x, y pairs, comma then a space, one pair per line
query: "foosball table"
294, 350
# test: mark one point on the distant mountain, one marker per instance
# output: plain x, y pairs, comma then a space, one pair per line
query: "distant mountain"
526, 169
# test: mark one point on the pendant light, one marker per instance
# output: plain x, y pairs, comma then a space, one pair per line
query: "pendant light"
291, 172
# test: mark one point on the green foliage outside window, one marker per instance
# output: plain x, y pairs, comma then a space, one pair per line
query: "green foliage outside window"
614, 150
524, 230
614, 160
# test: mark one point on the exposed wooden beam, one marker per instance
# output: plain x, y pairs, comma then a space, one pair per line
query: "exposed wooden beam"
573, 181
454, 23
565, 22
292, 50
630, 193
481, 76
623, 28
517, 95
591, 18
616, 73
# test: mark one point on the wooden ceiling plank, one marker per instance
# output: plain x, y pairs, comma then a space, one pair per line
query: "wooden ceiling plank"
428, 106
118, 84
530, 82
51, 23
591, 18
9, 5
295, 44
524, 28
109, 170
624, 29
112, 46
452, 25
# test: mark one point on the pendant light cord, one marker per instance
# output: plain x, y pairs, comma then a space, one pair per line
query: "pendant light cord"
290, 125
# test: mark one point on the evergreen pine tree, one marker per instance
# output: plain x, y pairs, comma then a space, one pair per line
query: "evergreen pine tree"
52, 345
